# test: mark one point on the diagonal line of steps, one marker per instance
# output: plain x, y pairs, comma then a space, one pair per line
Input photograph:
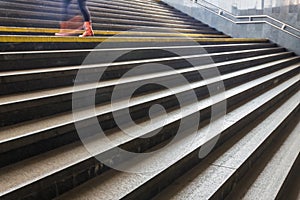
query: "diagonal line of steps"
47, 23
230, 94
48, 31
213, 178
99, 11
144, 7
41, 149
21, 131
36, 74
45, 39
217, 55
64, 94
38, 100
291, 185
101, 19
106, 185
94, 7
103, 26
271, 170
105, 4
66, 44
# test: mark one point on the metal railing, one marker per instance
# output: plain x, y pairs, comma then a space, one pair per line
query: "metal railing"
249, 19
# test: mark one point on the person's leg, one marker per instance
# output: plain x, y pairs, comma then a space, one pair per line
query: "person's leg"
87, 18
66, 24
65, 12
84, 10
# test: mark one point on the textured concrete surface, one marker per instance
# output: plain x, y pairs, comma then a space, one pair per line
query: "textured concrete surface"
237, 30
270, 180
157, 163
205, 179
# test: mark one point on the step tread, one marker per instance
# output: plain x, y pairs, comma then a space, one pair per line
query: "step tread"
168, 12
205, 179
31, 127
115, 185
30, 54
117, 21
16, 98
27, 177
97, 10
47, 23
272, 177
17, 38
104, 32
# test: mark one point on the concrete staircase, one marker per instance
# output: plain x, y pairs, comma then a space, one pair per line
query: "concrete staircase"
242, 95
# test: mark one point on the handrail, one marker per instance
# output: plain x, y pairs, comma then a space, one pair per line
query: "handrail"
222, 13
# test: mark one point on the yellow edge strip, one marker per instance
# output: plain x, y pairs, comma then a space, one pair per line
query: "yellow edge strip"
99, 32
16, 39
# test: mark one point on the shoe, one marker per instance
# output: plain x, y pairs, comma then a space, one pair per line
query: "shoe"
70, 27
88, 30
63, 29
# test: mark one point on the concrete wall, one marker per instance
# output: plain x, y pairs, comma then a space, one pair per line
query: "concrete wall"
287, 11
236, 30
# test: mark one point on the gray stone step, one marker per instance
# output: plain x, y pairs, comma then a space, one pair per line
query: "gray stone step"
43, 43
42, 9
98, 11
148, 4
101, 13
107, 25
37, 174
20, 131
179, 158
41, 150
100, 19
272, 168
291, 187
215, 176
270, 171
13, 81
223, 67
12, 65
108, 4
34, 105
57, 8
104, 23
184, 50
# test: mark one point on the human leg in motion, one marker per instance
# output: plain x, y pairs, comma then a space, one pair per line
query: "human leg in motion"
87, 19
65, 12
69, 26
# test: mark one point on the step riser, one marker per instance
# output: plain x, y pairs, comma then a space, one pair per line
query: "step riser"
35, 14
112, 26
104, 15
73, 6
33, 46
154, 186
78, 58
247, 166
287, 190
31, 82
40, 108
143, 53
88, 169
41, 134
45, 138
55, 15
